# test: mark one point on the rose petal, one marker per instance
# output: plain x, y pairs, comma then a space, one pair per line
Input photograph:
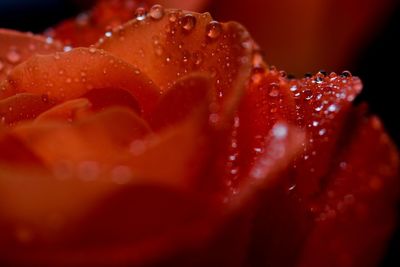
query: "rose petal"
177, 43
70, 75
355, 213
15, 152
75, 230
90, 144
180, 149
67, 111
179, 102
322, 105
22, 107
109, 97
16, 47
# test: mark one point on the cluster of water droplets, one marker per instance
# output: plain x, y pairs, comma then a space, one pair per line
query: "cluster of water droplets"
92, 171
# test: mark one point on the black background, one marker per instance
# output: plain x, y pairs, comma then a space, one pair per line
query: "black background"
378, 67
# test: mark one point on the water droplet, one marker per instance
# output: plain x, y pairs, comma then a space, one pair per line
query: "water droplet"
308, 94
319, 108
13, 57
49, 40
332, 108
214, 30
67, 48
24, 235
92, 50
188, 22
343, 165
45, 98
82, 19
140, 14
88, 170
121, 175
315, 123
280, 131
346, 73
274, 90
319, 78
214, 118
156, 12
137, 147
108, 34
198, 58
293, 88
322, 132
158, 50
173, 16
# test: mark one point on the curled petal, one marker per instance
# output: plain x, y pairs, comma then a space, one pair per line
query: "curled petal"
67, 111
22, 107
16, 47
323, 103
181, 100
69, 75
90, 143
181, 147
177, 43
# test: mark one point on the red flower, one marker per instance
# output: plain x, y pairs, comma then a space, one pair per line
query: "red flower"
171, 143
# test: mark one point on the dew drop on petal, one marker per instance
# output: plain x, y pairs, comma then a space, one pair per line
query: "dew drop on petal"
13, 57
156, 12
188, 23
121, 175
214, 30
322, 132
346, 73
140, 14
88, 170
280, 131
198, 58
67, 48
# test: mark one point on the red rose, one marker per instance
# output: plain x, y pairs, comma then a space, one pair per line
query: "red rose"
170, 142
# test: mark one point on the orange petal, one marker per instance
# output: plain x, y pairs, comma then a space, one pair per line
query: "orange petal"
181, 100
70, 75
22, 107
109, 97
42, 224
92, 143
67, 111
167, 44
15, 153
16, 47
181, 147
179, 153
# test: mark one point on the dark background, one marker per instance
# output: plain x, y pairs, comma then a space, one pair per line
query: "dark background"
378, 65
